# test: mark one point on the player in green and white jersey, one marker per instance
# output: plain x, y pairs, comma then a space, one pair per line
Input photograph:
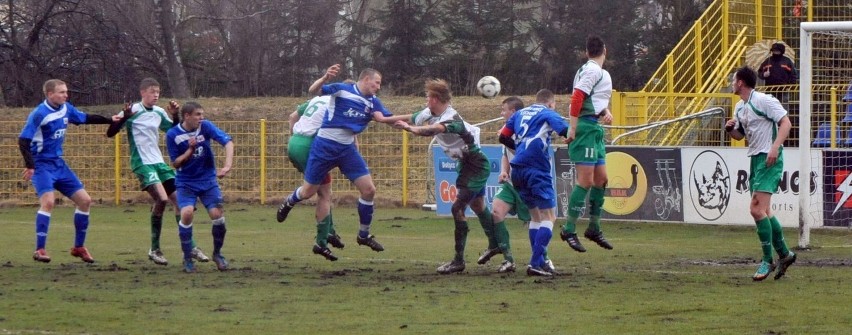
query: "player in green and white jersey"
460, 141
144, 121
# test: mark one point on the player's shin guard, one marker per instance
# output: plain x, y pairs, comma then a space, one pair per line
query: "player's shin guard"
81, 226
533, 232
502, 235
778, 237
42, 224
460, 239
487, 223
764, 233
596, 200
177, 219
156, 229
294, 197
365, 217
542, 239
575, 208
219, 231
323, 230
185, 234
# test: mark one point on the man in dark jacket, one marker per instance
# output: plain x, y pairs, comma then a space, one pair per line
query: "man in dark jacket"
778, 69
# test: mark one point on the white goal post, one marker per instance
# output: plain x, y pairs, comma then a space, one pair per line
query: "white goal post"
808, 217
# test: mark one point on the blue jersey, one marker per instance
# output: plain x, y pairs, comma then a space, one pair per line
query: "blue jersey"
349, 109
46, 126
201, 166
533, 126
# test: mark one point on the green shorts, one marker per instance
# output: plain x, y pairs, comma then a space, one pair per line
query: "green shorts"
298, 149
151, 174
510, 196
765, 179
473, 170
588, 144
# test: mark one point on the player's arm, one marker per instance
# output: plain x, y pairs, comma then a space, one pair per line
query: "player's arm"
119, 119
427, 130
577, 99
784, 126
379, 117
184, 156
733, 129
293, 118
25, 140
97, 119
331, 72
229, 160
174, 111
504, 167
505, 137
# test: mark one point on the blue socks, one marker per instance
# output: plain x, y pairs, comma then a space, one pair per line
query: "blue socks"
542, 239
365, 216
185, 234
218, 234
42, 223
81, 226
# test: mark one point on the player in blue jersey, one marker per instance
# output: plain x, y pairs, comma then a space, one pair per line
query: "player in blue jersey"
531, 169
191, 154
40, 143
351, 107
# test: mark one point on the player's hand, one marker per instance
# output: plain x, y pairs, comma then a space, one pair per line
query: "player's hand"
729, 125
192, 143
766, 73
606, 117
223, 172
571, 135
116, 118
503, 178
127, 111
332, 71
173, 107
28, 174
401, 125
772, 156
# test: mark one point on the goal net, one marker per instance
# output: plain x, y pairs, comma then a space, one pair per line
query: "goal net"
825, 125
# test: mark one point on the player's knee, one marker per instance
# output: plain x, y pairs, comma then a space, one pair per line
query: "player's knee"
83, 203
368, 192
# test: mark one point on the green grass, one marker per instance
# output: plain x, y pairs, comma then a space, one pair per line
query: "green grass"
661, 278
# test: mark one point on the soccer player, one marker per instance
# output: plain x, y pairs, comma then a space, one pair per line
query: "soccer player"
508, 201
189, 149
40, 143
460, 141
351, 108
592, 92
762, 120
531, 169
304, 124
144, 120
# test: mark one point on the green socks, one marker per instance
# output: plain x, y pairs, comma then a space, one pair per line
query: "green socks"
502, 235
487, 222
778, 237
156, 228
461, 239
575, 207
323, 228
764, 233
596, 200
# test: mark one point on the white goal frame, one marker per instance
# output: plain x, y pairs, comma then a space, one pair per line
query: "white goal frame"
806, 30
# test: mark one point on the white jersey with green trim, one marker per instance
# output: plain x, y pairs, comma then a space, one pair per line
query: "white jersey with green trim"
597, 84
143, 134
759, 117
459, 138
309, 122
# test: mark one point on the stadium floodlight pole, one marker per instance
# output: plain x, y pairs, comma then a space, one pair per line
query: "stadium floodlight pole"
806, 29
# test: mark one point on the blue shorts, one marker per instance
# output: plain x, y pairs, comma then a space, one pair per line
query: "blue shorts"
55, 175
209, 193
326, 154
535, 187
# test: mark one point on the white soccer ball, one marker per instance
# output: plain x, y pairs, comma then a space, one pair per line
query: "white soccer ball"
488, 86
